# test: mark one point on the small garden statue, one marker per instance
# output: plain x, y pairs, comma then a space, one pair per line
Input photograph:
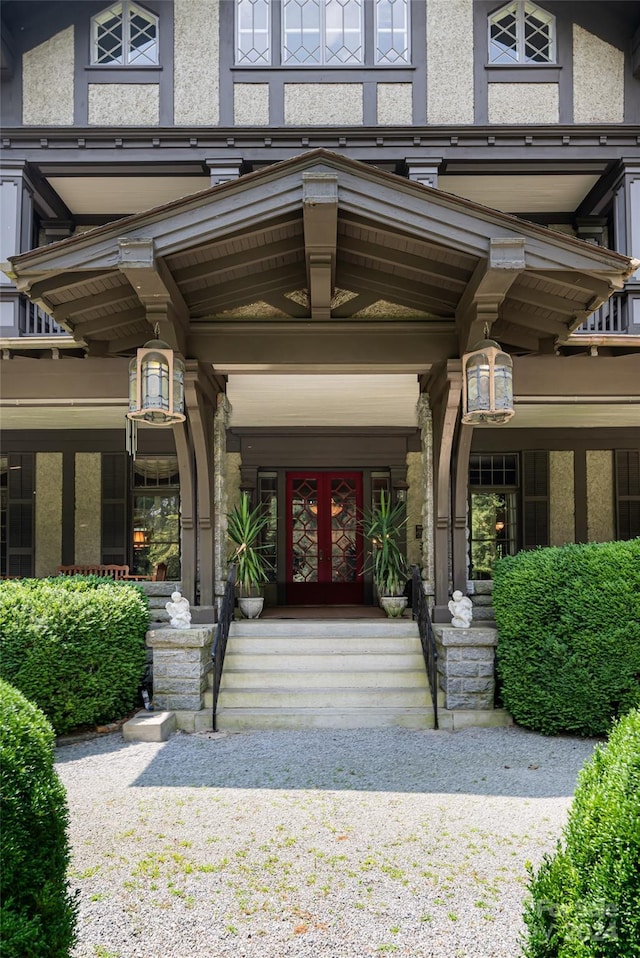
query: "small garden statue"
179, 611
461, 610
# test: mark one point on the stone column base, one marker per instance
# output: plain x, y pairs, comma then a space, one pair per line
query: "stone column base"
181, 661
466, 666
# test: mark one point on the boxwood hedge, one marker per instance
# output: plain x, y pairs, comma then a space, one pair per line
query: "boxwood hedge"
585, 899
568, 619
74, 646
37, 914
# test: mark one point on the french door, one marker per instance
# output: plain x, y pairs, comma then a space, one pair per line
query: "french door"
324, 542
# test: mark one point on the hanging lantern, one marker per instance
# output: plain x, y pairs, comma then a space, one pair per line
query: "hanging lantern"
487, 384
156, 385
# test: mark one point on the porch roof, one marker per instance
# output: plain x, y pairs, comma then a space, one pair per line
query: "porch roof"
328, 246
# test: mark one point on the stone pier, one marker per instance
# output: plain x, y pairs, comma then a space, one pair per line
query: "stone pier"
181, 663
466, 675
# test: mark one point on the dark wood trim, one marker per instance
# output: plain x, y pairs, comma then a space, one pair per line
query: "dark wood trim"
188, 553
200, 416
580, 494
515, 440
68, 506
460, 507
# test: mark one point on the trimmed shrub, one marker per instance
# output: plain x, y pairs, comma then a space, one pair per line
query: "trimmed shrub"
585, 899
37, 914
568, 620
74, 646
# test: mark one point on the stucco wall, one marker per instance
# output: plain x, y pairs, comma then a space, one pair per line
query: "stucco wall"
48, 537
320, 104
47, 82
450, 61
523, 103
394, 104
232, 479
415, 503
598, 79
196, 62
600, 508
124, 104
562, 524
251, 104
88, 507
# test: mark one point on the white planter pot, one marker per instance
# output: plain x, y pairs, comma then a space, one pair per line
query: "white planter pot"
251, 606
394, 605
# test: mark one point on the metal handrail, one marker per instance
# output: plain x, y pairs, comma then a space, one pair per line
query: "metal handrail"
225, 618
421, 615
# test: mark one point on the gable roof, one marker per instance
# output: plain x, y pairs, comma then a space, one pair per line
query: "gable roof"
319, 238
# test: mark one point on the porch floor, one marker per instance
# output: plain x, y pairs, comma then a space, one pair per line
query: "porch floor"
325, 612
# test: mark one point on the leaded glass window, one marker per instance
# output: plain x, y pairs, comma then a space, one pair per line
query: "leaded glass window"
322, 32
124, 35
392, 31
253, 30
522, 32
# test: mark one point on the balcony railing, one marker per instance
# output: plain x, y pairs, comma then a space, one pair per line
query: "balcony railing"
611, 318
38, 323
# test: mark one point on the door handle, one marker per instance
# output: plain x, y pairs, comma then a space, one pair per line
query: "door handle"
321, 555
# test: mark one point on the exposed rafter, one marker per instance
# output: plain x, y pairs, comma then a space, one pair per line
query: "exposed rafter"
488, 288
320, 216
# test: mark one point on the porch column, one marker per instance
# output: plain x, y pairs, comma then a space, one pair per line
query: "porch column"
444, 385
425, 421
186, 469
460, 543
16, 196
220, 426
200, 401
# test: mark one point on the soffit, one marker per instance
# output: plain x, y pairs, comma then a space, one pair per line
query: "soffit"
523, 193
111, 195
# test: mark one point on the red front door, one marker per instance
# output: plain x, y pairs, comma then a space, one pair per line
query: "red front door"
324, 543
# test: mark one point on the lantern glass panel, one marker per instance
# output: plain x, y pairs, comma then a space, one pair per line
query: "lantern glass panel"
478, 377
155, 383
503, 379
133, 385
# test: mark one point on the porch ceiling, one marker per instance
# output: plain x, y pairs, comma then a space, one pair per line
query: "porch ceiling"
319, 240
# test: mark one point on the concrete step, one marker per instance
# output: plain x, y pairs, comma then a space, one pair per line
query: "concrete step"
239, 719
338, 628
322, 698
323, 644
149, 727
301, 679
321, 661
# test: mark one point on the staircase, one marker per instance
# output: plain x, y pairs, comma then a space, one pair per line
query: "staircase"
290, 674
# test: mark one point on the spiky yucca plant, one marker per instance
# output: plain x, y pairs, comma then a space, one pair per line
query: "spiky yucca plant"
244, 529
383, 524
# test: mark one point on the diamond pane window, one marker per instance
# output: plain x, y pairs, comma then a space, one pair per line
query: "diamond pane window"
322, 32
522, 32
253, 29
392, 31
124, 35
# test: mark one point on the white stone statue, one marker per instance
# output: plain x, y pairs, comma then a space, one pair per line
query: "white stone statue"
179, 611
461, 609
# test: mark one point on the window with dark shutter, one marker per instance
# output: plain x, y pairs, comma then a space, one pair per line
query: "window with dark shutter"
535, 498
18, 487
114, 508
628, 493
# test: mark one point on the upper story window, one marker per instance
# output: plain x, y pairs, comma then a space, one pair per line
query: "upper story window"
322, 32
522, 32
124, 35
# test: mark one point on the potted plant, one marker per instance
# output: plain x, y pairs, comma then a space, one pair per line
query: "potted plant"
244, 529
383, 525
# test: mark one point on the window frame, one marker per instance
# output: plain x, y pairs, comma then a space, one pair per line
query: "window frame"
511, 491
127, 8
520, 61
370, 30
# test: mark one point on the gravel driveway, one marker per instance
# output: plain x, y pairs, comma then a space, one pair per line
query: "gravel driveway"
331, 844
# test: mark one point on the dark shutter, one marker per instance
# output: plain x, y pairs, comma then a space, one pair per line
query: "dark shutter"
114, 508
535, 498
20, 514
628, 493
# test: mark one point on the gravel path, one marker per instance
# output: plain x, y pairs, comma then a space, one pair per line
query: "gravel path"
331, 844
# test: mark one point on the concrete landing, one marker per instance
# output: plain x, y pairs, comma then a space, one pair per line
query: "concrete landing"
150, 727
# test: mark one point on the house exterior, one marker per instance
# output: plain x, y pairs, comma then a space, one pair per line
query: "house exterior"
320, 206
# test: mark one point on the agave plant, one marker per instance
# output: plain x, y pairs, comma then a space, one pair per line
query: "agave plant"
244, 529
383, 525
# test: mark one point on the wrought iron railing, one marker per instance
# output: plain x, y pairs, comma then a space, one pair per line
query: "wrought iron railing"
38, 323
610, 319
427, 637
225, 618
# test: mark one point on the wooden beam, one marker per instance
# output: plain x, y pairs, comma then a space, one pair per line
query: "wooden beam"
320, 219
391, 289
188, 555
487, 289
355, 305
509, 334
106, 323
200, 416
241, 292
286, 305
109, 297
430, 273
248, 258
60, 283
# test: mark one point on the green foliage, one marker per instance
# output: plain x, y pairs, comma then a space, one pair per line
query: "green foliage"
585, 899
569, 635
74, 646
383, 524
37, 915
245, 528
